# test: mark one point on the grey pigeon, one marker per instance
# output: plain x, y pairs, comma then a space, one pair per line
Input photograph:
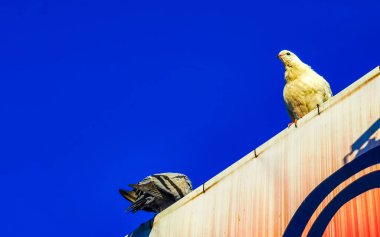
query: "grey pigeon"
157, 192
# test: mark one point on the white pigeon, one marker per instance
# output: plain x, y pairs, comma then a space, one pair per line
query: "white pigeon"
305, 89
157, 192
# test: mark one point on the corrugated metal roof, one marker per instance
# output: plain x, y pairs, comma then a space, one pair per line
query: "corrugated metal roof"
259, 194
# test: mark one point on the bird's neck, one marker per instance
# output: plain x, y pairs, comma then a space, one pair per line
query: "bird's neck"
293, 72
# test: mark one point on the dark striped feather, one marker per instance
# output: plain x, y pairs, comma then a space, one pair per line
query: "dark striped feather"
180, 193
129, 195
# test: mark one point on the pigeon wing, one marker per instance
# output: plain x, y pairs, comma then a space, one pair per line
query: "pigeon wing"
129, 195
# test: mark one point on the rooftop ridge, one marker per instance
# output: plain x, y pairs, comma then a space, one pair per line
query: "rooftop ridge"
262, 148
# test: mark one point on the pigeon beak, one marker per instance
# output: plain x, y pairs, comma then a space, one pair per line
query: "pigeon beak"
279, 56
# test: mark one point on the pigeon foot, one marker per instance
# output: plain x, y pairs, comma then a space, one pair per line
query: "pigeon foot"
294, 122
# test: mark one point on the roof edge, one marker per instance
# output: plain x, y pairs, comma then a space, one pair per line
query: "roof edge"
259, 150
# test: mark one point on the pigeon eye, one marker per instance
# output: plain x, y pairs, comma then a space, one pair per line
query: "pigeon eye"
287, 53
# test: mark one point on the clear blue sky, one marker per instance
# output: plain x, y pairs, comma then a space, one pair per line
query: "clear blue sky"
95, 95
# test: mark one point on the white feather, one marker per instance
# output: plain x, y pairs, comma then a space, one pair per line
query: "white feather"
304, 88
